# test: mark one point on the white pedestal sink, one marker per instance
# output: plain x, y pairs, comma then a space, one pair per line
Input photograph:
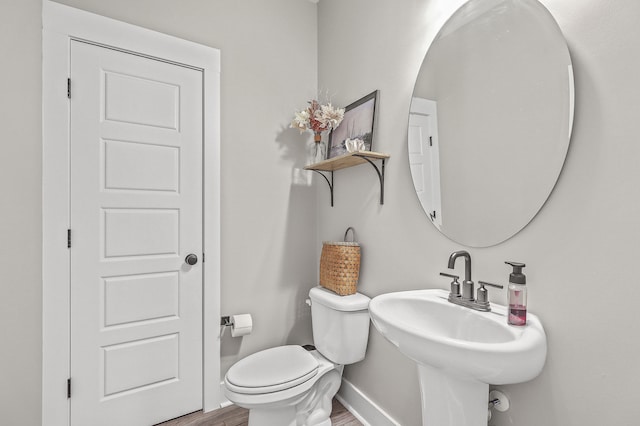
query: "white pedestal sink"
459, 351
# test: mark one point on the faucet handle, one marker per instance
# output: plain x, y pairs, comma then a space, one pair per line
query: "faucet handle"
483, 283
455, 277
483, 299
455, 285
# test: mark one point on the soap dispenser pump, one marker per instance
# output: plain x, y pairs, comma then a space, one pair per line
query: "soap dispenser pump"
517, 295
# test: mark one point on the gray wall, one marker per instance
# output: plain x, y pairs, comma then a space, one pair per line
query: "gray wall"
20, 225
580, 249
269, 69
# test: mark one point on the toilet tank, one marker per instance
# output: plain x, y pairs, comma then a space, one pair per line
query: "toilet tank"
340, 325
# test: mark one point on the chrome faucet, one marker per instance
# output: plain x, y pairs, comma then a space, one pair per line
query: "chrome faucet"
467, 297
467, 284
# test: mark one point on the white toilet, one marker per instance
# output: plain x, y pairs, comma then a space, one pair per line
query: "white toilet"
294, 386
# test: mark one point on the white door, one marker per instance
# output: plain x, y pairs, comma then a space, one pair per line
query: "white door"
424, 157
136, 213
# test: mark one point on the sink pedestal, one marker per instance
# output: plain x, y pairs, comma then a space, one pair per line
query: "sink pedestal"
448, 400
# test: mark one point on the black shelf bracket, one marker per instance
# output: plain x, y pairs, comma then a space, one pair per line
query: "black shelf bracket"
330, 183
380, 173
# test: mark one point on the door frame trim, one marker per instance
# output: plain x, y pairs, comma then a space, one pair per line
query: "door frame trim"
61, 24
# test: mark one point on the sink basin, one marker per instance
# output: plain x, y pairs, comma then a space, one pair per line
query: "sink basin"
459, 351
473, 344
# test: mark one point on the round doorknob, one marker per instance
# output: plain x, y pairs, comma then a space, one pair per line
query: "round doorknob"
191, 259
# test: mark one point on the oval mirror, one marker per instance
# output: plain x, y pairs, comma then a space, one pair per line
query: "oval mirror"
491, 119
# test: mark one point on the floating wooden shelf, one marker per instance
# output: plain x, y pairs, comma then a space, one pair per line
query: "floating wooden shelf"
349, 160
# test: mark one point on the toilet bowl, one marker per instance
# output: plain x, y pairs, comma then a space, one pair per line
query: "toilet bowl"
294, 385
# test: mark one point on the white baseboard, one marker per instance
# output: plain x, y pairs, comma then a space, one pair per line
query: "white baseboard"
363, 408
224, 402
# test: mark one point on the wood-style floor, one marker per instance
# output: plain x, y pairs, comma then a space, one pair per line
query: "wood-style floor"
236, 416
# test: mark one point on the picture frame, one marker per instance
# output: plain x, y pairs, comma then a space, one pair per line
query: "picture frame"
358, 122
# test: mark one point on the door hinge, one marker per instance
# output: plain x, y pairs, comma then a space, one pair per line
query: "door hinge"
68, 238
68, 388
69, 88
430, 140
202, 257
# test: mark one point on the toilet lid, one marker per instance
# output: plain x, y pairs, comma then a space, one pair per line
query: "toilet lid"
272, 370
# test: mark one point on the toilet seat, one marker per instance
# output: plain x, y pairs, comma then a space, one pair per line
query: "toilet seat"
272, 370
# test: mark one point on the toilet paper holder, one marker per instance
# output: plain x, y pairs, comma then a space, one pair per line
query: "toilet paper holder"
240, 325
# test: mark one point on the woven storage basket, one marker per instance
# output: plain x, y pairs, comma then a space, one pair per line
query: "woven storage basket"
340, 265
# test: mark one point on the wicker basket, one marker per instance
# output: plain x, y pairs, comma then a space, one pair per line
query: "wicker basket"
340, 265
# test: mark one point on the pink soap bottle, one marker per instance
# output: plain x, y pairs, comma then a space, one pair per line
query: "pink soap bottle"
517, 295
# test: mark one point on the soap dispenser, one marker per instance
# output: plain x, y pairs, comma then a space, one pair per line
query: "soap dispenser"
517, 295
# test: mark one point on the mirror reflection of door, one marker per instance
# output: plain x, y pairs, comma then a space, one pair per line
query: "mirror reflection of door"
424, 158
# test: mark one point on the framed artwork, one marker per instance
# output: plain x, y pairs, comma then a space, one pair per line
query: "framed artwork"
358, 123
